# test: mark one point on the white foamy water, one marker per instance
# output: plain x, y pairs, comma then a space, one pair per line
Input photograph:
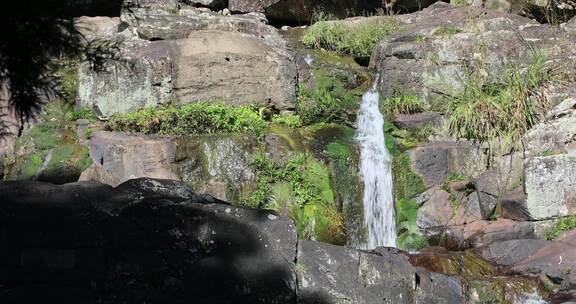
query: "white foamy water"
376, 171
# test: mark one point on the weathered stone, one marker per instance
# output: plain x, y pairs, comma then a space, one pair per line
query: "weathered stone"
510, 252
242, 70
142, 78
126, 157
558, 134
418, 120
94, 28
485, 203
502, 230
218, 165
434, 162
550, 186
203, 57
513, 206
97, 173
557, 260
448, 209
379, 277
436, 65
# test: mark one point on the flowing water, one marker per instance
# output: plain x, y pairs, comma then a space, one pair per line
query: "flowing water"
376, 171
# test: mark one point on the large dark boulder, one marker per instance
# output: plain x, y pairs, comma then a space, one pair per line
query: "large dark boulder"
146, 241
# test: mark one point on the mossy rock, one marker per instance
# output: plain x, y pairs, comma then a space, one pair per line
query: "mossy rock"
49, 151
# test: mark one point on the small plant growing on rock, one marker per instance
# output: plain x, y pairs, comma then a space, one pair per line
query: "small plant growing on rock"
402, 104
447, 30
291, 121
565, 224
420, 39
329, 101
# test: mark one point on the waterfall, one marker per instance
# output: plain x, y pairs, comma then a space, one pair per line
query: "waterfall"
376, 171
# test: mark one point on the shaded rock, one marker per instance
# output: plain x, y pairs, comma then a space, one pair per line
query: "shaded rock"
550, 186
510, 252
502, 230
372, 278
94, 28
301, 12
514, 206
144, 241
418, 120
407, 6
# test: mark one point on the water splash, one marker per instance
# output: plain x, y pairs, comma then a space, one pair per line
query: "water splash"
376, 171
309, 59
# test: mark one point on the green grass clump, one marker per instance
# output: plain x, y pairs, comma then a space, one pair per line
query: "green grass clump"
505, 109
447, 30
329, 101
291, 121
195, 118
301, 187
82, 113
402, 104
356, 39
565, 224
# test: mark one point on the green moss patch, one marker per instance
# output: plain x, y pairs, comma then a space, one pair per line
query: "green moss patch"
49, 151
299, 186
329, 101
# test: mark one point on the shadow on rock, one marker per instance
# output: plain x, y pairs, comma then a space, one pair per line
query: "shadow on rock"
146, 241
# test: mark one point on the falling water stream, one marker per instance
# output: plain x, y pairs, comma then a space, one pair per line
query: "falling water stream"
376, 171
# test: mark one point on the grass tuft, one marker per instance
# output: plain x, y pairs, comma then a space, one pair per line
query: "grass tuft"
565, 224
195, 118
402, 104
505, 109
355, 39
